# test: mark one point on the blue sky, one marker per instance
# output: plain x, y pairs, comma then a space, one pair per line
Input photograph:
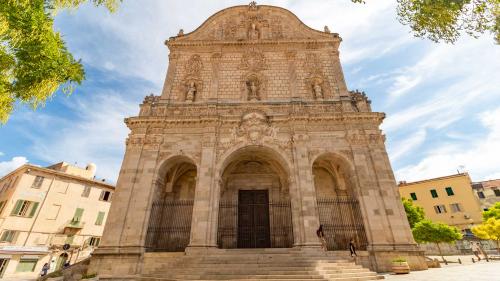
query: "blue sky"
442, 101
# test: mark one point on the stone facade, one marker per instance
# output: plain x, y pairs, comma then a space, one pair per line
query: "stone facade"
253, 84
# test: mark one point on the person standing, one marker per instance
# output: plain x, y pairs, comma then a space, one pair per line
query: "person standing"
321, 237
45, 269
475, 249
352, 248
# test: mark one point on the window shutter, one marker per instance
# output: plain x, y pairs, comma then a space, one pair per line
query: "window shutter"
102, 195
100, 218
33, 209
78, 214
17, 207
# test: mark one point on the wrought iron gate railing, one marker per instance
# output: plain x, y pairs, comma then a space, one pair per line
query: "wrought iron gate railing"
169, 226
342, 221
280, 220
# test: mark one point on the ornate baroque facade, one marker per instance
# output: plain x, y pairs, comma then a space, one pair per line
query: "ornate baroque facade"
255, 118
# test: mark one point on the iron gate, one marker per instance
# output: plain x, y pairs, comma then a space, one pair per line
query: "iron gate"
280, 223
169, 225
342, 221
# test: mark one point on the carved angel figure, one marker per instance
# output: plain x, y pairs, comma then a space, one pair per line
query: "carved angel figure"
253, 33
317, 90
252, 90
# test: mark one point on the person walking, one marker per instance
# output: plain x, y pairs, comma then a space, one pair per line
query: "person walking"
45, 269
352, 248
475, 249
321, 237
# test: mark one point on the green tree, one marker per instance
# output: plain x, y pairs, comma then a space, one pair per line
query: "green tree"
34, 60
493, 212
445, 20
489, 230
427, 231
414, 213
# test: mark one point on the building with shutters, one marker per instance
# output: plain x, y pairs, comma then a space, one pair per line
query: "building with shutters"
488, 192
254, 142
42, 209
448, 199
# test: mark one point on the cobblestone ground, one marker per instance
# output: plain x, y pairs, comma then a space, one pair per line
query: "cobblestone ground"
468, 271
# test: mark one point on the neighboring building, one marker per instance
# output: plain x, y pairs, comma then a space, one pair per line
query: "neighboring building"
488, 192
42, 209
448, 199
254, 142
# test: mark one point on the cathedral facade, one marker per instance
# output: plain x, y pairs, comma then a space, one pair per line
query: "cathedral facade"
255, 142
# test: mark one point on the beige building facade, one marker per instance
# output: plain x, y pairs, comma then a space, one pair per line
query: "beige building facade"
448, 199
488, 192
42, 209
254, 142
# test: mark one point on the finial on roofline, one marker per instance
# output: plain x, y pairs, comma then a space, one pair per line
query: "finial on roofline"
252, 5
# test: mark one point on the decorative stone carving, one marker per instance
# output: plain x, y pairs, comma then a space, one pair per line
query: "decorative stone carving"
326, 29
191, 92
253, 60
253, 32
181, 32
194, 66
253, 90
360, 101
317, 89
365, 139
252, 5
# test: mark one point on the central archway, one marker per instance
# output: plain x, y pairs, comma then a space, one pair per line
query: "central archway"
254, 208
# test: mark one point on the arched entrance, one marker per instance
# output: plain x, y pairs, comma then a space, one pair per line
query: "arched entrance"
338, 207
170, 220
254, 208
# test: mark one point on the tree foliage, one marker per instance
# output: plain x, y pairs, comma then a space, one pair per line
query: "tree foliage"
34, 60
414, 213
445, 20
427, 231
493, 212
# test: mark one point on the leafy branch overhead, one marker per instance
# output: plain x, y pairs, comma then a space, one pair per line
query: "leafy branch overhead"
445, 20
34, 60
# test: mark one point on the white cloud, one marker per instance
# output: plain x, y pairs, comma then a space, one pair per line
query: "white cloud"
2, 154
480, 157
12, 164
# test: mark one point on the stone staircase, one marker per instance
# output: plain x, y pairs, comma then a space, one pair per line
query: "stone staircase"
257, 264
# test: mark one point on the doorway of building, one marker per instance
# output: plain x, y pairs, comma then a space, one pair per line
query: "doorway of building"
253, 219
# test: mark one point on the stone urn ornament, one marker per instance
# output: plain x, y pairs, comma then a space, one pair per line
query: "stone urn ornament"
400, 266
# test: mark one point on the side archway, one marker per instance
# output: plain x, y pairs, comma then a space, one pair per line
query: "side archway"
338, 207
171, 214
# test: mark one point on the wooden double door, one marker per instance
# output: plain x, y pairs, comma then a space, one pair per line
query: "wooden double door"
253, 219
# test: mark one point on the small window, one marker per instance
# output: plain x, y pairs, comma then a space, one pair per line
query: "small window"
413, 196
497, 192
455, 208
26, 265
94, 241
9, 236
86, 191
38, 182
25, 208
105, 196
100, 218
440, 209
449, 191
480, 194
434, 193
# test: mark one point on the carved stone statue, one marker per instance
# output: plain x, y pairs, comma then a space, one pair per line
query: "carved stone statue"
181, 32
253, 33
253, 90
327, 30
317, 90
252, 5
191, 92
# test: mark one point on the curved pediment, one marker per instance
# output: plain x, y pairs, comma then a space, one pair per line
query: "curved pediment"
253, 23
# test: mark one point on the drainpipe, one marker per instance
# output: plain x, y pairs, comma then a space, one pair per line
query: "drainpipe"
39, 211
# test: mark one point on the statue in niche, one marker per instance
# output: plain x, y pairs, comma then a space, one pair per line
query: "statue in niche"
252, 90
191, 91
317, 90
253, 34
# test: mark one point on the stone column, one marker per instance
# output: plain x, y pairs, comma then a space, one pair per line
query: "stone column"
205, 200
307, 193
122, 243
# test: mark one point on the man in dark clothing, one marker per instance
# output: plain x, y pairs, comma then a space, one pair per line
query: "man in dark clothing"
321, 237
352, 248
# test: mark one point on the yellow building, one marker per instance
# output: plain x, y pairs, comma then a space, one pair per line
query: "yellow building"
44, 209
448, 199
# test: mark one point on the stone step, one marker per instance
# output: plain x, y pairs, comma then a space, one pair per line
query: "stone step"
260, 271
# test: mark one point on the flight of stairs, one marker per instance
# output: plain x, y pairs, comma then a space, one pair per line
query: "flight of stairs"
259, 264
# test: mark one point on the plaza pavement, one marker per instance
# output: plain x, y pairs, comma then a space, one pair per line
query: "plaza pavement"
468, 271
